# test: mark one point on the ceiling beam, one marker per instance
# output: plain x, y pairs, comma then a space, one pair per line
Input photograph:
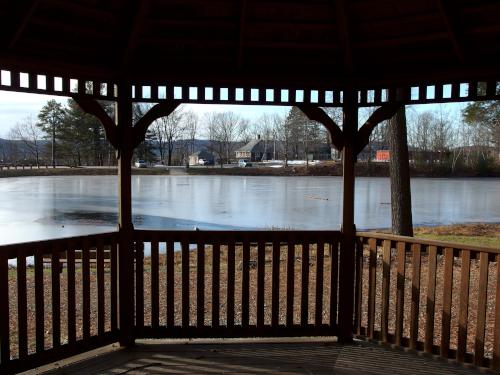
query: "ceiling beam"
132, 26
445, 9
20, 15
342, 21
241, 42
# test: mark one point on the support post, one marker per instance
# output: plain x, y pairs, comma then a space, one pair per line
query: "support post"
125, 226
346, 270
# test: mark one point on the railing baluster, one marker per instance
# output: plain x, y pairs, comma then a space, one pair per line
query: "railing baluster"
39, 301
101, 307
275, 284
216, 285
481, 309
463, 317
139, 284
230, 283
358, 289
22, 305
304, 298
170, 284
56, 298
415, 295
114, 292
185, 282
200, 285
334, 274
320, 252
261, 253
372, 285
155, 284
431, 299
386, 278
70, 267
290, 273
86, 289
245, 284
495, 363
447, 295
4, 311
400, 296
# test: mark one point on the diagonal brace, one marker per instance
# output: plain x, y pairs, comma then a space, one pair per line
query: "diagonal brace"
162, 109
383, 113
92, 107
315, 113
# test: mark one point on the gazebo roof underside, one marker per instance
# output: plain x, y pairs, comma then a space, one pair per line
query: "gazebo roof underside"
314, 44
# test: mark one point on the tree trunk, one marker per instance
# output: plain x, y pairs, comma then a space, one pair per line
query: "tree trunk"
53, 146
400, 175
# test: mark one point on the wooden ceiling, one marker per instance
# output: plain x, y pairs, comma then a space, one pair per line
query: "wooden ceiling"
255, 43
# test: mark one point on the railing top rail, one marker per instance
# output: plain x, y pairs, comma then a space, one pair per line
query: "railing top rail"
424, 241
12, 250
237, 235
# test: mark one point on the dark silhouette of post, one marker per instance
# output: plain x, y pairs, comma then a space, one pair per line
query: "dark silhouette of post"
125, 227
346, 270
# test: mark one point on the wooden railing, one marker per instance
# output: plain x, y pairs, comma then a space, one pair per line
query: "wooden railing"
51, 310
431, 296
60, 297
235, 283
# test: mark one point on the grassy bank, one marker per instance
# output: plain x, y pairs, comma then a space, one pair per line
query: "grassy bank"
78, 171
471, 234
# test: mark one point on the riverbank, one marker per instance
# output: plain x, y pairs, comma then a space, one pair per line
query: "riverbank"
362, 169
77, 171
333, 169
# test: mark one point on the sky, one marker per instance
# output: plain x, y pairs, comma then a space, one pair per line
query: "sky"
15, 107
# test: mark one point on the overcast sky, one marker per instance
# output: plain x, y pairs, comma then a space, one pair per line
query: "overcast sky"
14, 107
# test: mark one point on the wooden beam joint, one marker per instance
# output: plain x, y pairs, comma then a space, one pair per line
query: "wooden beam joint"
315, 113
92, 107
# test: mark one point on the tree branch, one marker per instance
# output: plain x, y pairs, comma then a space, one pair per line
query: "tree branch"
92, 107
162, 109
315, 113
382, 113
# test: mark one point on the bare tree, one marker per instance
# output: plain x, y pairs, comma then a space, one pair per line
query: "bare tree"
224, 129
166, 131
29, 134
191, 129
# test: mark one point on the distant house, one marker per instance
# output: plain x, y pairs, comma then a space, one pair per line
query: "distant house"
382, 155
256, 150
202, 157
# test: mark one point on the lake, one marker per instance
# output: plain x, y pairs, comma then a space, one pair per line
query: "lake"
34, 208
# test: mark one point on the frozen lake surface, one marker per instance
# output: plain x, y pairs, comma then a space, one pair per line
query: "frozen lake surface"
33, 208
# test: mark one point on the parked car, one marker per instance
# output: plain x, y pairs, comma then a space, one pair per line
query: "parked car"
205, 162
244, 163
140, 164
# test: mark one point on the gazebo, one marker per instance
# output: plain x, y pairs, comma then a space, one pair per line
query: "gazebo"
312, 54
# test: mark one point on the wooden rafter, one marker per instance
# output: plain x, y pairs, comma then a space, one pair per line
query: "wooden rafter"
241, 42
449, 22
342, 21
19, 19
92, 107
134, 19
315, 113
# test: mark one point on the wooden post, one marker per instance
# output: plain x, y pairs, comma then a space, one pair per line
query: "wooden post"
125, 226
346, 269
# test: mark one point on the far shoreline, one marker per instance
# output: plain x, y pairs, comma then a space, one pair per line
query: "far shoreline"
363, 169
